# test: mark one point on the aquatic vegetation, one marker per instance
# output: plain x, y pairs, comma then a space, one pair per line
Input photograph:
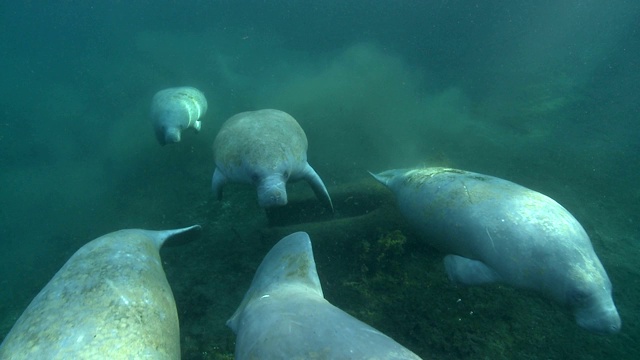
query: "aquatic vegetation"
384, 256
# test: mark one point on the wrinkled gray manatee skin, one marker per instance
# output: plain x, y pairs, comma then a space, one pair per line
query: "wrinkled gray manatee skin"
496, 231
265, 148
111, 300
284, 314
176, 109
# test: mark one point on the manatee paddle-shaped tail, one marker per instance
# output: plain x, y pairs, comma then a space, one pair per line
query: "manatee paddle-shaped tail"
284, 314
386, 176
174, 237
110, 300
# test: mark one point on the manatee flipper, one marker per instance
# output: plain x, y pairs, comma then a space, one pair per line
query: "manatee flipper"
314, 180
469, 272
217, 182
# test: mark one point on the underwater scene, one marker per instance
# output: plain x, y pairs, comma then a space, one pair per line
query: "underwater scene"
543, 94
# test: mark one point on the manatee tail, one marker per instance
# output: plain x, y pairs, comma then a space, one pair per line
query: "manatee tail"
387, 176
175, 236
317, 185
290, 261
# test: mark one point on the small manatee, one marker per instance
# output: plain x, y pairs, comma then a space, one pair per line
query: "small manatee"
176, 109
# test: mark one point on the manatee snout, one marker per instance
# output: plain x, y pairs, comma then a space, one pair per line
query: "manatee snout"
168, 135
603, 321
172, 136
593, 305
272, 193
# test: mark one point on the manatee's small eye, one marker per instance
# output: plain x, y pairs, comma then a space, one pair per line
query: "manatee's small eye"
285, 175
254, 178
578, 296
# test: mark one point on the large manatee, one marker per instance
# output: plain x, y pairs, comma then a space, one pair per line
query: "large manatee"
265, 148
284, 314
110, 300
496, 231
176, 109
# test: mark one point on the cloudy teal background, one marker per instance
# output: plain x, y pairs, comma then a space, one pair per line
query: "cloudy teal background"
542, 93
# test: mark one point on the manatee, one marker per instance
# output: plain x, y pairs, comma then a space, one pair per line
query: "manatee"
496, 231
265, 148
175, 109
284, 314
110, 300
